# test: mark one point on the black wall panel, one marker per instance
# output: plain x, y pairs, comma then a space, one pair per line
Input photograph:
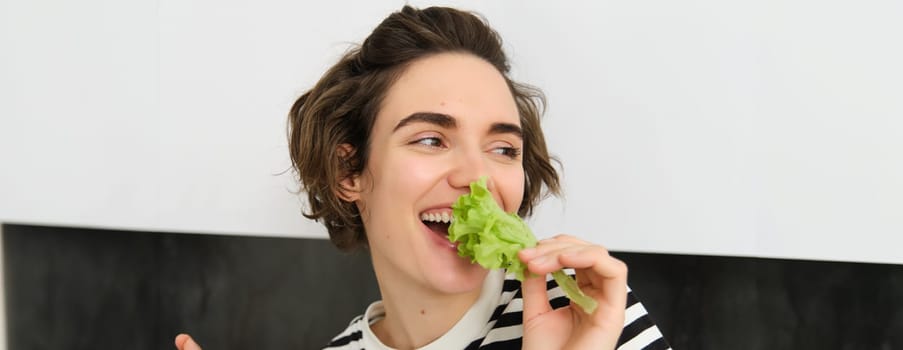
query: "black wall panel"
95, 289
711, 302
69, 288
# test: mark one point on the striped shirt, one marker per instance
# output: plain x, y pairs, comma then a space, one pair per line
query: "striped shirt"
496, 322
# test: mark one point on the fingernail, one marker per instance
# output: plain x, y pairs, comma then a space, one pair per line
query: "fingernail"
528, 251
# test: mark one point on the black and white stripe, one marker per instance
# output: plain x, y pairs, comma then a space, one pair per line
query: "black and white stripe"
350, 336
505, 327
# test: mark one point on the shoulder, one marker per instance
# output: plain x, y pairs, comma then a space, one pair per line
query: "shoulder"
639, 332
350, 338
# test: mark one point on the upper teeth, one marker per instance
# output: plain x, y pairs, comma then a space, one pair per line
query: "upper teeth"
436, 217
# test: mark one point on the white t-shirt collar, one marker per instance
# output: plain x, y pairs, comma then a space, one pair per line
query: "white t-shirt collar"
466, 330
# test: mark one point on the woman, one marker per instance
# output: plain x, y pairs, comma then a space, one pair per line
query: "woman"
384, 144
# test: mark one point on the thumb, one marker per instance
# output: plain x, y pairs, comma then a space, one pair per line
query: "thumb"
184, 342
536, 299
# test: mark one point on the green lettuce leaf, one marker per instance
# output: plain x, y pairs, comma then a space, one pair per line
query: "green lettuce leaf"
491, 237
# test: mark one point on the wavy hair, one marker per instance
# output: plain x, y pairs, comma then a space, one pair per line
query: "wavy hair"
342, 107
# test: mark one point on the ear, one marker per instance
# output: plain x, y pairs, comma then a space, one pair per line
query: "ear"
349, 184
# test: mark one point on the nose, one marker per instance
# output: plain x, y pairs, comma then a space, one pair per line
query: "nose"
468, 166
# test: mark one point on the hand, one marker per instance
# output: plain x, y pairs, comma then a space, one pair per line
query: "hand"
184, 342
600, 277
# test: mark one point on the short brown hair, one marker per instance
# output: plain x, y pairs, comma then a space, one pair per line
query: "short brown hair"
342, 107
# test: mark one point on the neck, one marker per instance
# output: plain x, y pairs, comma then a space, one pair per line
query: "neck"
416, 316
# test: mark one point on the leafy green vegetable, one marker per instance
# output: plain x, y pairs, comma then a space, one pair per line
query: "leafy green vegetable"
492, 237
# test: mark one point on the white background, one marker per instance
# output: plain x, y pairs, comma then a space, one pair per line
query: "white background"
749, 128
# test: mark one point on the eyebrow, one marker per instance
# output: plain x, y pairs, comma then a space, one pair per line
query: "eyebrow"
449, 122
506, 128
443, 120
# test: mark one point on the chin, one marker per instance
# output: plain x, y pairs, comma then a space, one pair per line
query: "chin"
462, 281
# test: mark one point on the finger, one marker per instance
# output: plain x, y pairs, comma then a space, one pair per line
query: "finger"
561, 240
604, 272
180, 340
191, 345
574, 256
594, 258
550, 261
543, 258
545, 246
566, 238
562, 236
528, 254
571, 239
536, 300
184, 342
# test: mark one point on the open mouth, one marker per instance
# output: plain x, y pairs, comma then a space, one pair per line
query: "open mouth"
438, 222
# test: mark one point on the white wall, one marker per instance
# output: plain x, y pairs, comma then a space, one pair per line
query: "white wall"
709, 127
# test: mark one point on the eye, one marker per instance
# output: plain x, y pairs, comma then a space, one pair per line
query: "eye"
510, 152
430, 141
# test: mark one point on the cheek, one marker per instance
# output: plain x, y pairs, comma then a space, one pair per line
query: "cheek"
403, 177
420, 169
512, 189
411, 173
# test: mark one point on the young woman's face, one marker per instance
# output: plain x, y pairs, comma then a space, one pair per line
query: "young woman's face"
447, 121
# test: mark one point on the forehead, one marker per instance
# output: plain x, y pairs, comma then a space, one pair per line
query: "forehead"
460, 85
